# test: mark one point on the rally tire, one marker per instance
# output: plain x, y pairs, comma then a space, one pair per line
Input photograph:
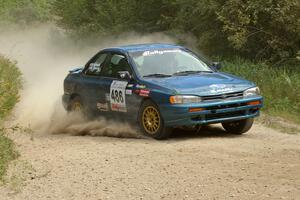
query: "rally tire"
151, 122
76, 105
238, 127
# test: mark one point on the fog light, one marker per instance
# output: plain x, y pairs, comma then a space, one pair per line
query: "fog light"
196, 109
253, 103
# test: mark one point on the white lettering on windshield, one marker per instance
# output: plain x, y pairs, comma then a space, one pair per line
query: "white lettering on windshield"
160, 52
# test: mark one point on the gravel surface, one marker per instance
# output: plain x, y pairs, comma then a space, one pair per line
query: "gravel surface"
262, 164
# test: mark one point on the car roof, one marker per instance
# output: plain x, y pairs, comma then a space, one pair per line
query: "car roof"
143, 47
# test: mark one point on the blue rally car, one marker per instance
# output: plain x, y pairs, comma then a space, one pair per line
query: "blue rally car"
161, 86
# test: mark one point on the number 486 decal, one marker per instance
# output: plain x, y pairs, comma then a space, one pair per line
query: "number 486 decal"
117, 96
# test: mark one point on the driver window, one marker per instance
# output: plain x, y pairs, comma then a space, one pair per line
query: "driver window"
96, 66
116, 64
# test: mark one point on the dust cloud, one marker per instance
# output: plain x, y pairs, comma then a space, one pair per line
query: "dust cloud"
45, 55
78, 126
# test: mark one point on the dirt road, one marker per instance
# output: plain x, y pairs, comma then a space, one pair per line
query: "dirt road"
263, 164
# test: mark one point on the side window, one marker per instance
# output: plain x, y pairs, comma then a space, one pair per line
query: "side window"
116, 63
96, 65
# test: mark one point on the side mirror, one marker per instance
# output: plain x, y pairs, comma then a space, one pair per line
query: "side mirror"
216, 66
124, 75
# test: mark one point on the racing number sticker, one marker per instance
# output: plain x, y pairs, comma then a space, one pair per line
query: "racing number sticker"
117, 96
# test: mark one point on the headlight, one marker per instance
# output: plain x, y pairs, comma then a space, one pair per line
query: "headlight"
180, 99
252, 92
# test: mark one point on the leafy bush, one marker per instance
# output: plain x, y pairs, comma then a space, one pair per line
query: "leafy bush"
7, 153
280, 87
253, 29
24, 11
263, 29
88, 18
10, 83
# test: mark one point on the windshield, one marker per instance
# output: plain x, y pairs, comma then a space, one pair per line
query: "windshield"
167, 62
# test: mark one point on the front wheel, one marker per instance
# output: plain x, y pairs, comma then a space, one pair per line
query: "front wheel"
238, 127
151, 121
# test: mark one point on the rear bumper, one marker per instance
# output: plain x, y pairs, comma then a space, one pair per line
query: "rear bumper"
214, 112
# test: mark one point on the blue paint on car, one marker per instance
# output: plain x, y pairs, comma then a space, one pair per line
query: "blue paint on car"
222, 97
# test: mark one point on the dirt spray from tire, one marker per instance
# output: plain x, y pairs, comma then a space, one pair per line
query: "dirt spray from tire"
45, 55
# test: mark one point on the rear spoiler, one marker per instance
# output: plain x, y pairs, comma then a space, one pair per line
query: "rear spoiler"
76, 70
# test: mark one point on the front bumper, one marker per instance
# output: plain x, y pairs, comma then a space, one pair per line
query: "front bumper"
214, 111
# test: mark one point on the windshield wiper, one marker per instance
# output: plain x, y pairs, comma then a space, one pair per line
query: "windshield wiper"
157, 75
191, 72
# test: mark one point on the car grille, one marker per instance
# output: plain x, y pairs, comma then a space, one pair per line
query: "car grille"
224, 115
213, 116
222, 96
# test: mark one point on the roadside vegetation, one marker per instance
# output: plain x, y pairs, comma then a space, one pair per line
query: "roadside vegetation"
24, 12
10, 83
279, 86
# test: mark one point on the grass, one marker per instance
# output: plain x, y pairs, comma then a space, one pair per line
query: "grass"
280, 87
10, 83
7, 153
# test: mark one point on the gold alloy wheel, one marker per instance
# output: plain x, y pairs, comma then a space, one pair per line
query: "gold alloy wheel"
151, 120
77, 107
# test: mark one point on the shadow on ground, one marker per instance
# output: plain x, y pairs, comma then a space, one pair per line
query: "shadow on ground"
205, 132
209, 131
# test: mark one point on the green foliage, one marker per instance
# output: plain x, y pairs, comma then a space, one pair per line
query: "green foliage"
7, 153
200, 19
258, 30
253, 29
86, 17
10, 83
24, 11
91, 17
280, 87
263, 29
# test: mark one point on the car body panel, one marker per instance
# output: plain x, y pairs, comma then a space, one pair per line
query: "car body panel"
203, 84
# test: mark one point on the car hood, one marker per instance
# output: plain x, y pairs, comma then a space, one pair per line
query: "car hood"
203, 84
